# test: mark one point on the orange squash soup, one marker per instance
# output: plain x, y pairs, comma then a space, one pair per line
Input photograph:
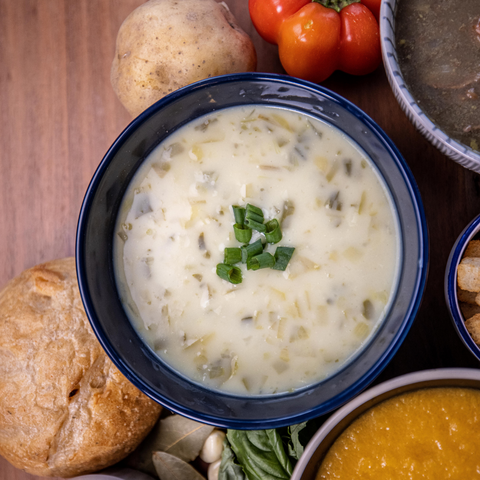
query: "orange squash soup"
432, 433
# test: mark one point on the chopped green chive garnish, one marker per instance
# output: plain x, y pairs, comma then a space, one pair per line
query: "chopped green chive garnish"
239, 214
282, 257
232, 256
264, 260
246, 220
254, 225
253, 209
229, 273
242, 233
273, 233
253, 213
249, 251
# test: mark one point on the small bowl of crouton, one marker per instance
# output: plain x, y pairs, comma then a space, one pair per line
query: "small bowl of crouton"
462, 285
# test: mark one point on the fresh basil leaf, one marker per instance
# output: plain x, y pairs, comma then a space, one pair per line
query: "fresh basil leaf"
295, 448
301, 434
229, 470
279, 450
261, 454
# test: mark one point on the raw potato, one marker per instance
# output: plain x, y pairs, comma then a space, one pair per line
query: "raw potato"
166, 44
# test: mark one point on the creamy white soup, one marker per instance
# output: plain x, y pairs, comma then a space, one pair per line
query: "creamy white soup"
277, 330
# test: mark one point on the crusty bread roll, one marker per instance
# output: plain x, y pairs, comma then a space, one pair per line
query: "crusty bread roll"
64, 407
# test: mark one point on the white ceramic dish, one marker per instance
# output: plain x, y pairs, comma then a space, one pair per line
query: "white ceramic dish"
459, 152
307, 466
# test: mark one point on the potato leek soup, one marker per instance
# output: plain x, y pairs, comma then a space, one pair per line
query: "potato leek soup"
271, 327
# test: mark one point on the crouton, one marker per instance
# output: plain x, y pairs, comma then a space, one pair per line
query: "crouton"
473, 327
473, 249
467, 297
469, 310
469, 274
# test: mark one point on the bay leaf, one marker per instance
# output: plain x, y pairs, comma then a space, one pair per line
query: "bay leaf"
175, 435
170, 467
182, 437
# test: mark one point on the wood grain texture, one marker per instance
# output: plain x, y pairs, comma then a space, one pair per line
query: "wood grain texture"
59, 115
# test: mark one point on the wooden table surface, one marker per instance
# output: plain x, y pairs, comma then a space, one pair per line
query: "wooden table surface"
59, 115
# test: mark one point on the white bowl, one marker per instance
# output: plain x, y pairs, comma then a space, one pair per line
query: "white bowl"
457, 151
309, 463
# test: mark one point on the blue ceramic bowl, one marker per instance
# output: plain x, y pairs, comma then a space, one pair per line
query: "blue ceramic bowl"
456, 254
95, 269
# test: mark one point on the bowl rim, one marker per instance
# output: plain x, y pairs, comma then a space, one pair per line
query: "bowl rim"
408, 379
451, 284
382, 361
459, 152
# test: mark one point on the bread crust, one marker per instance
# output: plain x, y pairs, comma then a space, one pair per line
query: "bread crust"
65, 409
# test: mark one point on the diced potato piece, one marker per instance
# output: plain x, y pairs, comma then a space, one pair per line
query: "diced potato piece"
307, 298
363, 201
469, 274
278, 293
293, 310
280, 366
322, 314
353, 254
332, 172
299, 333
246, 383
196, 153
161, 169
333, 256
200, 362
282, 122
234, 366
361, 330
253, 384
368, 310
381, 296
321, 163
300, 265
281, 328
308, 264
249, 190
330, 356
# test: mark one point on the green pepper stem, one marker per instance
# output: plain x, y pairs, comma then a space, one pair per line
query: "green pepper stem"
337, 5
